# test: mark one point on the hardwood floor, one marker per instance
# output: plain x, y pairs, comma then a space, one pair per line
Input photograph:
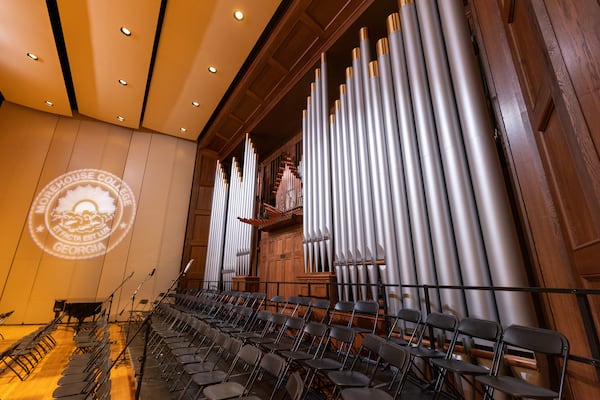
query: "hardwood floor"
43, 380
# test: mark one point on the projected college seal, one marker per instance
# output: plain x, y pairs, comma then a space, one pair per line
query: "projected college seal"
82, 214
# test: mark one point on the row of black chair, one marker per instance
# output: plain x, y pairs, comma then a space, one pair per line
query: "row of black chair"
449, 346
217, 355
23, 355
440, 352
87, 373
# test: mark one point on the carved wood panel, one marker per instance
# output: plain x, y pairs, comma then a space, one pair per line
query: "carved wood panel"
564, 138
282, 260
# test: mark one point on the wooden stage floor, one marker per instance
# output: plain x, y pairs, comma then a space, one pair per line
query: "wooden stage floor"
42, 381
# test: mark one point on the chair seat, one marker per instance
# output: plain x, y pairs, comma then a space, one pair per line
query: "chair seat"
209, 378
225, 390
323, 364
195, 368
348, 378
517, 387
296, 355
425, 352
365, 393
462, 367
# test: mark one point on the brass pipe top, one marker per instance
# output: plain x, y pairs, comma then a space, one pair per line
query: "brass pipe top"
364, 33
349, 73
373, 69
393, 22
342, 89
323, 58
402, 3
331, 119
338, 103
383, 47
317, 73
356, 53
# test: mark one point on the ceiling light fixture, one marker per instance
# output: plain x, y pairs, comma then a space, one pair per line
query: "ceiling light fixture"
195, 104
238, 15
32, 56
125, 31
123, 82
49, 103
120, 118
183, 129
212, 70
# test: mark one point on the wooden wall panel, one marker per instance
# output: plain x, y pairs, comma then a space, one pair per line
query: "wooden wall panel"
550, 158
40, 147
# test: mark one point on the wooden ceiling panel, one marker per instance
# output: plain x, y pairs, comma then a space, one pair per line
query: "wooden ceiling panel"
268, 77
246, 106
297, 42
229, 127
325, 12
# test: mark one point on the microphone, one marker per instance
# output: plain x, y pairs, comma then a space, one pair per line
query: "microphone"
152, 272
187, 267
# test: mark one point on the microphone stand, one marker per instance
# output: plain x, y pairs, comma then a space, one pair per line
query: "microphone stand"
132, 301
110, 298
146, 325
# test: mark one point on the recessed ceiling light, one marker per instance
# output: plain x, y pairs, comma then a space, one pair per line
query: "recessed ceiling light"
195, 104
32, 56
49, 103
212, 69
183, 129
123, 82
120, 118
238, 15
125, 31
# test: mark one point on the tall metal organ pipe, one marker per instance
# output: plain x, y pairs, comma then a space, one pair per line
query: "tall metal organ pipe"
216, 236
385, 207
467, 233
401, 220
499, 233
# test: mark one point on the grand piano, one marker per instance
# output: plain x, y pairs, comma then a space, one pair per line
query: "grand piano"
78, 308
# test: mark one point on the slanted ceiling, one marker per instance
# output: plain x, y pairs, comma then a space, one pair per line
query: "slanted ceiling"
82, 55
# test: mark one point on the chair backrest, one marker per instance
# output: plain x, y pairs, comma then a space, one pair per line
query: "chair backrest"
365, 308
436, 325
295, 386
476, 330
273, 364
539, 341
398, 357
407, 323
339, 343
344, 307
324, 305
314, 334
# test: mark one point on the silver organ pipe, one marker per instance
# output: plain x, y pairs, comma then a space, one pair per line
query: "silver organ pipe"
216, 236
401, 219
399, 180
327, 231
468, 239
499, 233
305, 206
241, 204
385, 206
421, 239
438, 212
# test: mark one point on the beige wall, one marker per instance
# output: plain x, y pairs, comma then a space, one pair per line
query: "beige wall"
36, 148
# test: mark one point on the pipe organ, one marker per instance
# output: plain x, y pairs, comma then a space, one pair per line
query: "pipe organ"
401, 181
230, 240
